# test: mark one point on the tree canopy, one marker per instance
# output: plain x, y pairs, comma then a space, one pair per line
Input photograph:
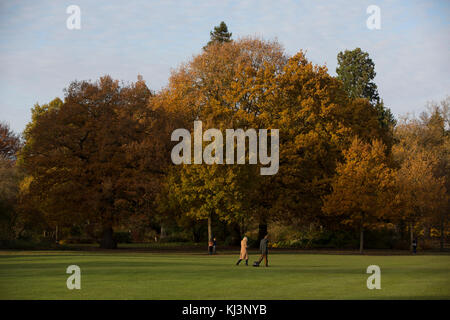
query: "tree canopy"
220, 34
100, 158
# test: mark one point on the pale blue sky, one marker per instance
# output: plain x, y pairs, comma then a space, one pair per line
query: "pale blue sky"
39, 56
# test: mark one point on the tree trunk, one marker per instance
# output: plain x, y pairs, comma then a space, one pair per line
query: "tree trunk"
241, 230
209, 228
163, 233
426, 235
108, 241
411, 236
262, 229
361, 235
361, 239
442, 239
196, 232
427, 231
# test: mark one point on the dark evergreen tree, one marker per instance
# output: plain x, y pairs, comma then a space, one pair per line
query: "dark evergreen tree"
357, 70
220, 34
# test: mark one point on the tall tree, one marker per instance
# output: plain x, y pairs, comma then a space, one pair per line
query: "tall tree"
363, 187
356, 70
428, 135
10, 142
420, 195
252, 84
9, 190
218, 87
220, 34
97, 156
316, 121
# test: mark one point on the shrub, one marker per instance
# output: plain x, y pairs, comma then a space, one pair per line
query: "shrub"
122, 237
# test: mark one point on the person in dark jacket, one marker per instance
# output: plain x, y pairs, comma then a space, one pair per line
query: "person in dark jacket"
264, 248
210, 246
414, 245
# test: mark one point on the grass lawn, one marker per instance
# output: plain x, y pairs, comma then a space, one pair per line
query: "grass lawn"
134, 275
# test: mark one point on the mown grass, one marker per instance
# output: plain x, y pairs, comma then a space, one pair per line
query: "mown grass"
135, 275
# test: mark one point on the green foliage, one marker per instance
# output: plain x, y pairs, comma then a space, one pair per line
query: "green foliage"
220, 34
356, 70
9, 193
122, 237
10, 142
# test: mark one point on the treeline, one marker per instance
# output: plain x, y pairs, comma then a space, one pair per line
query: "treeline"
99, 159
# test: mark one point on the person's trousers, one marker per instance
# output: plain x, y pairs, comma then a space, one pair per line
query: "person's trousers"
264, 256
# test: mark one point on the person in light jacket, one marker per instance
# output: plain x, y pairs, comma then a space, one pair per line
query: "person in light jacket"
244, 253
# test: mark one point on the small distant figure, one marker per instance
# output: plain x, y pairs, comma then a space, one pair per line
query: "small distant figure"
244, 252
210, 246
414, 245
264, 248
214, 245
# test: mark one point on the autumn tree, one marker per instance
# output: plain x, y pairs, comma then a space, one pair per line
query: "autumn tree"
10, 142
216, 87
204, 192
9, 190
420, 195
316, 121
252, 84
97, 156
424, 144
363, 188
15, 219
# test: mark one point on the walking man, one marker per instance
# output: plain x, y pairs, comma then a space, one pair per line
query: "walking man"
263, 247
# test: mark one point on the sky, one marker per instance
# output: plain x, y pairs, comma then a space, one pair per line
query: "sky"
40, 56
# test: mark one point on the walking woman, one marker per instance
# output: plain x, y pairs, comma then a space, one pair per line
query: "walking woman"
244, 253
